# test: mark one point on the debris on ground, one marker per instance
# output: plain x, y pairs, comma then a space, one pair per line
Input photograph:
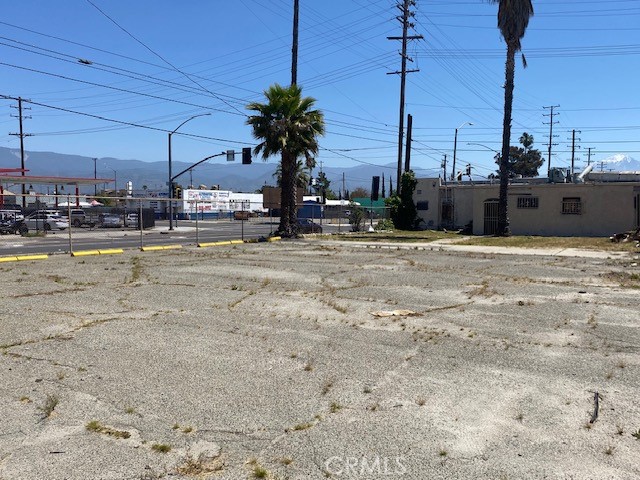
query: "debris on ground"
631, 235
394, 313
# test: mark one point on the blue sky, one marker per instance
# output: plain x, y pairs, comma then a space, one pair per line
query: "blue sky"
582, 55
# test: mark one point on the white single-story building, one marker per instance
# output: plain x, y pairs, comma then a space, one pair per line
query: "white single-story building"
596, 207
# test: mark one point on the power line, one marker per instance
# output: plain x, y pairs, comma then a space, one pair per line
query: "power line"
189, 77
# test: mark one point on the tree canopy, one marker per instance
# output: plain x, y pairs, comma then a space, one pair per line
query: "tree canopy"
525, 160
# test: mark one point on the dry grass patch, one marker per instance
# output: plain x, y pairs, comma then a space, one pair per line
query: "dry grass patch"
200, 467
528, 241
96, 427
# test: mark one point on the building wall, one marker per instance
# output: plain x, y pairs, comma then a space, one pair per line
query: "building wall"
605, 208
462, 197
428, 190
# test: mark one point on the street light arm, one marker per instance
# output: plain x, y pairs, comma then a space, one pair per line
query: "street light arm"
196, 164
481, 145
188, 120
171, 177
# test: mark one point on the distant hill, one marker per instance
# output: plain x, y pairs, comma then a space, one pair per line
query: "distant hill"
232, 176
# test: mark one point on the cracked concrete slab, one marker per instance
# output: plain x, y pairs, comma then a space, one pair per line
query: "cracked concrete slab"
266, 357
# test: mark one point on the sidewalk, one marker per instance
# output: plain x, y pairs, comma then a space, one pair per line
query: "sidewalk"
449, 245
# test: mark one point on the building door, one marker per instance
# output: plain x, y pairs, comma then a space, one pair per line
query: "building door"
491, 216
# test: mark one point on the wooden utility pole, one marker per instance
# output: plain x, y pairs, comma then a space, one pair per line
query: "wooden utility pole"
551, 123
21, 134
404, 19
407, 155
444, 168
573, 150
294, 47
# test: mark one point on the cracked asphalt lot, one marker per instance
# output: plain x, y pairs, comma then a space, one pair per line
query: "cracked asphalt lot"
265, 361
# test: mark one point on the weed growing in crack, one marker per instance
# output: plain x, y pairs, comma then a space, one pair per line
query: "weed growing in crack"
96, 427
161, 447
49, 406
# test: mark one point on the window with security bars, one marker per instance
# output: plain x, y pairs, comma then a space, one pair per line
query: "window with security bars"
571, 206
527, 202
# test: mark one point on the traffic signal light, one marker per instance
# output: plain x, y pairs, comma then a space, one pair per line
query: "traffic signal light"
246, 156
375, 186
176, 190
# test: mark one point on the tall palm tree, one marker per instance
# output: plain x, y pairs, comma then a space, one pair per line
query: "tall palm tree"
513, 19
286, 125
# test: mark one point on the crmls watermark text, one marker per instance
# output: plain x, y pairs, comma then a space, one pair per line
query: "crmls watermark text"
357, 466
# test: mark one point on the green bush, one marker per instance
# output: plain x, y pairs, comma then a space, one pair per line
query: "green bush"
384, 224
356, 219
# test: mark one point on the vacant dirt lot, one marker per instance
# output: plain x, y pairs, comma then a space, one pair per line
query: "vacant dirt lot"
266, 361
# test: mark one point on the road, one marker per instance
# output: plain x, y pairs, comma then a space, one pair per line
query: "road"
100, 238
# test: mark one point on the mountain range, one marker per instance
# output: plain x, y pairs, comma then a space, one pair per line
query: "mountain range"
230, 176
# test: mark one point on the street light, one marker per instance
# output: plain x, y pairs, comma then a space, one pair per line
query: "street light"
455, 148
115, 181
170, 172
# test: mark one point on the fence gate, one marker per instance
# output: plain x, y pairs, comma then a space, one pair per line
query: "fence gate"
491, 216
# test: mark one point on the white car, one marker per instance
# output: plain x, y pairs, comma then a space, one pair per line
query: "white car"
45, 221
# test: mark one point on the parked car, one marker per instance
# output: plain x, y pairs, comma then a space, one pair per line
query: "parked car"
241, 215
79, 218
11, 226
132, 219
111, 221
11, 215
305, 225
45, 221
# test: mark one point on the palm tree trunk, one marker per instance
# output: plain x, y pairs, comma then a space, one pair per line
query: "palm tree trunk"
287, 198
503, 215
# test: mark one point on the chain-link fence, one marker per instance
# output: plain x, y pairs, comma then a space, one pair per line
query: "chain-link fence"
88, 221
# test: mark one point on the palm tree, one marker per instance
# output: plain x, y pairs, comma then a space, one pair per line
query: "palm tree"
513, 19
287, 125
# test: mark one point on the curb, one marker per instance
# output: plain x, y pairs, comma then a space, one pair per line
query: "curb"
22, 258
235, 242
160, 247
108, 251
214, 244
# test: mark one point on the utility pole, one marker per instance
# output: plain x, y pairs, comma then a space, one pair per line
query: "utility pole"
404, 19
407, 155
21, 134
573, 149
551, 123
589, 156
294, 47
95, 176
444, 168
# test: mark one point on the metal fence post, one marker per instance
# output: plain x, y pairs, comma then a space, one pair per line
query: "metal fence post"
140, 221
197, 228
242, 221
69, 227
